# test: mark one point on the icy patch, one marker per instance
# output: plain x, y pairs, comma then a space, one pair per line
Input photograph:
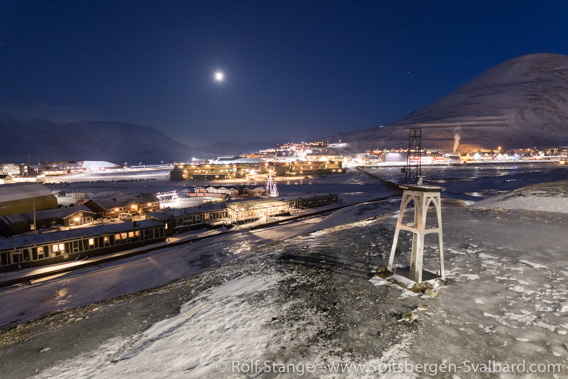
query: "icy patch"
499, 319
545, 326
521, 289
241, 286
527, 319
219, 326
533, 265
403, 280
470, 276
487, 256
377, 281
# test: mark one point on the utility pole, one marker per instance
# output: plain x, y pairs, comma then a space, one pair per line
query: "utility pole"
35, 226
413, 169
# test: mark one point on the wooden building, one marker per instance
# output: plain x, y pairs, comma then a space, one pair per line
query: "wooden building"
68, 217
183, 219
250, 210
311, 201
135, 205
47, 248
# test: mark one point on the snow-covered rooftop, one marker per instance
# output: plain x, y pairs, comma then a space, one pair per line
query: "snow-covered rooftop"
19, 241
20, 191
50, 213
99, 164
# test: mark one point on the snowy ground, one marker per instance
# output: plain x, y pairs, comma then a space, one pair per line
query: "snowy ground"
305, 296
548, 197
313, 299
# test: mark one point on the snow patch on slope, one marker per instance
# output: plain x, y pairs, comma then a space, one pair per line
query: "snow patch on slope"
547, 197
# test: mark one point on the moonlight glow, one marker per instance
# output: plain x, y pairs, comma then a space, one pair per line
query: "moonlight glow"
219, 76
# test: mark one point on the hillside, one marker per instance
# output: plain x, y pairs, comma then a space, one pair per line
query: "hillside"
40, 140
522, 102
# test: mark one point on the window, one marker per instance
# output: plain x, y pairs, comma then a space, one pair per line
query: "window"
106, 240
123, 236
55, 248
4, 261
137, 233
41, 253
117, 237
130, 234
91, 242
17, 256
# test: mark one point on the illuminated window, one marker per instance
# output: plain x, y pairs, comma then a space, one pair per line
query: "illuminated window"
106, 239
91, 241
40, 253
55, 247
61, 247
123, 235
130, 234
117, 237
137, 233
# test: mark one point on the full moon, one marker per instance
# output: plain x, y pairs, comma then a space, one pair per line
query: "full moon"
219, 76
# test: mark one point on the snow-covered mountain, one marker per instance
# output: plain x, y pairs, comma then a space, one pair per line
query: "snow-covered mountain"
40, 140
522, 102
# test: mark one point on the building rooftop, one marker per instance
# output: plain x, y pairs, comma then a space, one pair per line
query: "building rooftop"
21, 191
255, 204
42, 215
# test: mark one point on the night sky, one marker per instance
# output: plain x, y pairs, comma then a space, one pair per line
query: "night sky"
293, 69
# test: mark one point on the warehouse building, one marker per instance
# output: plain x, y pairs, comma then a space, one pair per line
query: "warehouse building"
25, 198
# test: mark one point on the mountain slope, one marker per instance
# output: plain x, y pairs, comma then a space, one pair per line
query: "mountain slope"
522, 102
41, 140
235, 148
